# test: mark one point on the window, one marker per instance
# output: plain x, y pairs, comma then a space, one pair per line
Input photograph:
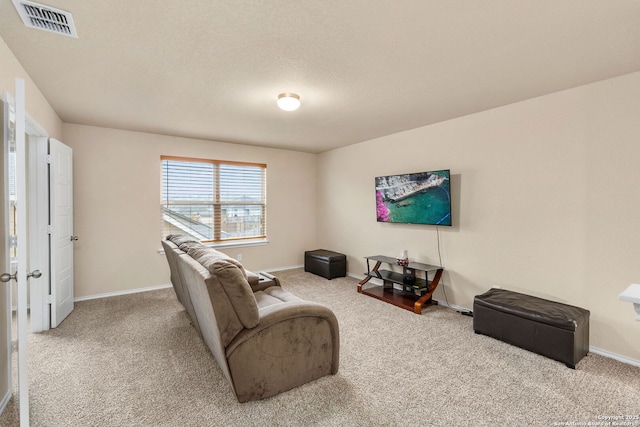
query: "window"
213, 200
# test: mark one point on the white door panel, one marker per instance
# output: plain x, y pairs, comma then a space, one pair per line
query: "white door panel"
21, 220
6, 386
61, 205
39, 290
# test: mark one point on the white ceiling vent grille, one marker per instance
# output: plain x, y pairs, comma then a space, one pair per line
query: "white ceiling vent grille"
46, 18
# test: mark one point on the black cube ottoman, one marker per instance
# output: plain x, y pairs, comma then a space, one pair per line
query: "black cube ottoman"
325, 263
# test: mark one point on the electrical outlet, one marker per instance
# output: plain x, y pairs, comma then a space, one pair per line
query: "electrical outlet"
239, 257
496, 287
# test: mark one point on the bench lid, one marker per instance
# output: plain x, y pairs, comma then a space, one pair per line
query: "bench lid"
325, 254
540, 310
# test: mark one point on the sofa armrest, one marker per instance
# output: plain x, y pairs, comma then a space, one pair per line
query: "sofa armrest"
262, 281
283, 312
294, 342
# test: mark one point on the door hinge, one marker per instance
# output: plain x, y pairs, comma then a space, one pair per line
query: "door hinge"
49, 229
49, 158
50, 299
13, 242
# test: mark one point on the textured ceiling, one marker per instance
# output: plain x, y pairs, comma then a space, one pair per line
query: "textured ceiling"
213, 69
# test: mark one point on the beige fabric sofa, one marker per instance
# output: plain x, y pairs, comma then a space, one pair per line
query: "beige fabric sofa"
265, 339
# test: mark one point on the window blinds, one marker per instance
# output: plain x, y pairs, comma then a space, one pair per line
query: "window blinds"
213, 200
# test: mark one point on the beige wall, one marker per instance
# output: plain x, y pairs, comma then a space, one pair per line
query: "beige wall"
117, 205
37, 106
545, 198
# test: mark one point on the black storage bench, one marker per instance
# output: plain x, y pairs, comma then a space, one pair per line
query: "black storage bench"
552, 329
325, 263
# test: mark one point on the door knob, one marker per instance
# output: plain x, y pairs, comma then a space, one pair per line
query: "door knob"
73, 238
6, 277
35, 274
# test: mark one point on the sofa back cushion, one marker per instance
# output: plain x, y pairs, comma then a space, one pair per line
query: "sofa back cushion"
238, 291
208, 256
178, 239
213, 311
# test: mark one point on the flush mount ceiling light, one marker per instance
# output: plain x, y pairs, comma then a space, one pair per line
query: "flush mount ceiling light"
288, 101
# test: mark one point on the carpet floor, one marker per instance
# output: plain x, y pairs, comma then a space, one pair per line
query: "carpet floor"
135, 360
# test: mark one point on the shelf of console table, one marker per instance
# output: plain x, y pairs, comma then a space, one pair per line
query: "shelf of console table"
416, 292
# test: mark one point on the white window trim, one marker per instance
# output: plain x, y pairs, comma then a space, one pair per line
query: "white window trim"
231, 245
232, 242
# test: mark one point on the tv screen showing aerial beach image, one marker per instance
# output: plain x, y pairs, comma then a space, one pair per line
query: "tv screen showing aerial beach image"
414, 198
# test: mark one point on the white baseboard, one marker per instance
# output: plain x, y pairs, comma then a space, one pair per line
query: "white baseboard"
291, 267
125, 292
615, 356
153, 288
452, 306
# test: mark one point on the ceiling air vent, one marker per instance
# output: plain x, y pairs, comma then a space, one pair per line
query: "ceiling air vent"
46, 18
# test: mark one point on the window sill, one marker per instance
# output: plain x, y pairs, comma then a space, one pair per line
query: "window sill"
238, 244
234, 244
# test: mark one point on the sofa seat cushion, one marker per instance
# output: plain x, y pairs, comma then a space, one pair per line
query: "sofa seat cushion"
273, 295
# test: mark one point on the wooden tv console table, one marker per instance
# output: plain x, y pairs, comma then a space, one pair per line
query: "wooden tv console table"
416, 291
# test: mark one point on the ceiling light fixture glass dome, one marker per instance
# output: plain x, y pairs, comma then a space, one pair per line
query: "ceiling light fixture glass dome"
288, 101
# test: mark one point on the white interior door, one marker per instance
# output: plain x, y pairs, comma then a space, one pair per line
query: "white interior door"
62, 238
8, 159
20, 228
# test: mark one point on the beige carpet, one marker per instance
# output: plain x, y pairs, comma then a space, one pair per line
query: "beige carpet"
136, 361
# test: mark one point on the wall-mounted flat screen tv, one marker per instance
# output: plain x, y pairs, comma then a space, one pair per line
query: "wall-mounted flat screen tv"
414, 198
